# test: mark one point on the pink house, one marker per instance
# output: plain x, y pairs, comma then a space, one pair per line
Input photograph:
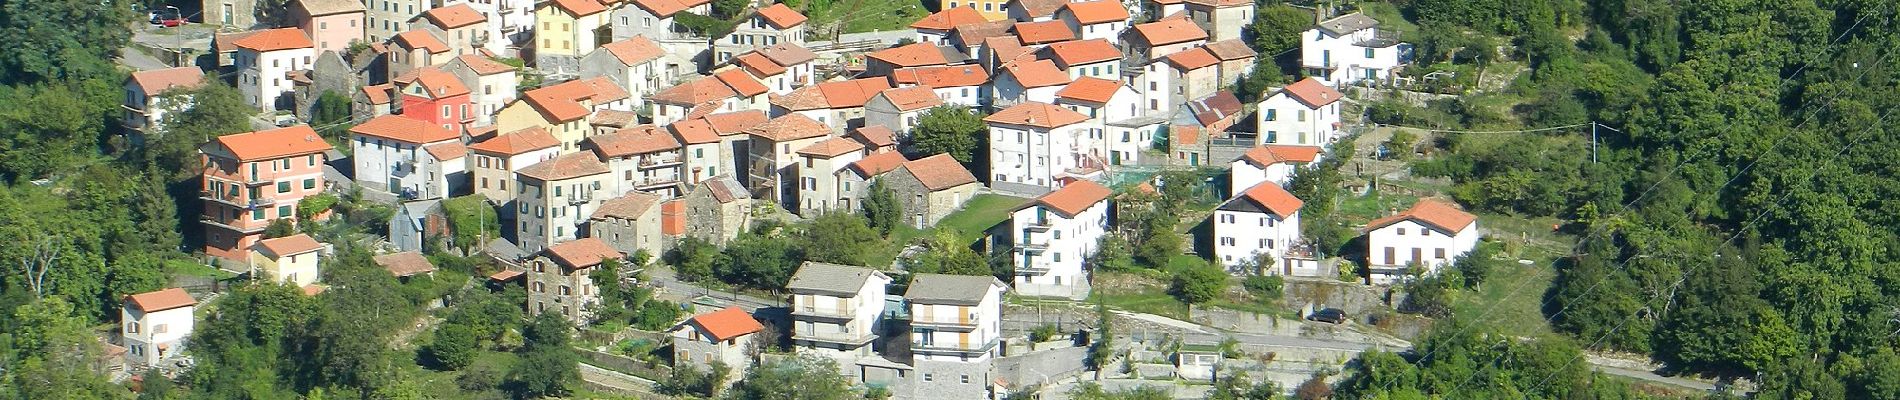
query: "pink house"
251, 179
436, 97
331, 24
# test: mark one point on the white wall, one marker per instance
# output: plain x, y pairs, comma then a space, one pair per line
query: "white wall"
1285, 121
143, 337
1416, 237
263, 77
1239, 236
1071, 240
1347, 61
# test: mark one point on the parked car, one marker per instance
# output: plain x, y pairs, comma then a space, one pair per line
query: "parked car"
1330, 315
168, 17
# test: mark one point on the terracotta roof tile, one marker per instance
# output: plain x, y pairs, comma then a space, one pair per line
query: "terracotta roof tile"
635, 50
1192, 59
727, 323
878, 164
694, 131
227, 42
447, 151
801, 99
874, 136
1433, 213
1090, 89
517, 142
975, 33
377, 94
1169, 31
912, 98
911, 55
404, 129
317, 8
1216, 108
454, 16
1073, 198
161, 300
1221, 3
939, 172
633, 140
1043, 32
696, 91
787, 54
789, 127
288, 245
580, 8
780, 16
1078, 52
946, 76
313, 289
565, 166
758, 65
408, 263
562, 102
157, 81
737, 122
605, 90
274, 40
628, 206
741, 83
852, 93
1039, 8
1271, 197
664, 8
673, 217
437, 82
1267, 155
274, 143
1312, 93
484, 65
421, 39
1042, 115
833, 147
506, 275
1231, 49
1007, 49
949, 19
613, 118
583, 253
1096, 12
1038, 73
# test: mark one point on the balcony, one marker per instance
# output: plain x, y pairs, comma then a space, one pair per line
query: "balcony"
214, 221
1032, 246
830, 314
1040, 225
1033, 270
655, 183
1380, 39
262, 202
578, 198
920, 346
851, 339
962, 325
660, 162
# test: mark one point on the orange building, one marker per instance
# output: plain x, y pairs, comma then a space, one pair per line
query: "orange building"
251, 179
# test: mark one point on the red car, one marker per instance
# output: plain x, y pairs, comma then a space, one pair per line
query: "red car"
168, 17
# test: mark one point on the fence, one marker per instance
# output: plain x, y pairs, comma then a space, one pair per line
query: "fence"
627, 365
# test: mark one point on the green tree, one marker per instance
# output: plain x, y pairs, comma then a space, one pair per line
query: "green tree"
763, 261
803, 377
947, 253
331, 113
547, 366
840, 238
216, 110
1113, 253
949, 129
692, 381
1160, 244
63, 39
1236, 386
1267, 288
1197, 283
50, 353
694, 258
454, 346
882, 209
280, 227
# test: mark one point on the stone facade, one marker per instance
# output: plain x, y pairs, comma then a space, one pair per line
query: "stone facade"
923, 207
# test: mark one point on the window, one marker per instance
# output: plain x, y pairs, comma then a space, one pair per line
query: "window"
283, 211
160, 328
1227, 218
1227, 241
1058, 257
1438, 253
1272, 115
310, 183
927, 375
965, 378
1369, 53
311, 160
1401, 231
1301, 114
1266, 244
257, 214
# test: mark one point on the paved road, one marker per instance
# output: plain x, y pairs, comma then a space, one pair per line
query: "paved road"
138, 60
1653, 377
664, 278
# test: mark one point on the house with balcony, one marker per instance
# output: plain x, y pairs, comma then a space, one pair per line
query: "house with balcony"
900, 108
711, 143
818, 168
436, 97
1099, 19
936, 28
491, 85
1269, 163
568, 29
631, 224
1305, 113
1034, 147
1055, 234
839, 105
510, 23
718, 209
1256, 229
727, 91
390, 17
724, 337
964, 85
1115, 106
1351, 49
493, 163
388, 154
837, 310
555, 197
636, 64
1095, 58
654, 19
563, 110
642, 158
1030, 81
559, 281
955, 327
265, 61
1429, 236
155, 326
290, 260
767, 26
772, 159
931, 188
149, 95
1150, 41
1221, 19
332, 24
464, 29
783, 67
854, 181
420, 48
251, 179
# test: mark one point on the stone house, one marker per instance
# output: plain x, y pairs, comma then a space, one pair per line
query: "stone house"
718, 209
630, 223
558, 279
931, 188
725, 336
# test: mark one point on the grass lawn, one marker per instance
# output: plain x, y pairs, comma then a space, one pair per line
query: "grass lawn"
1361, 209
190, 268
976, 216
1520, 312
860, 15
1137, 292
1388, 16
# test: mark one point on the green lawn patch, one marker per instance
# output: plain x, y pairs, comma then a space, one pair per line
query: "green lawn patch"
858, 15
1137, 293
1516, 313
191, 268
981, 213
1388, 16
1360, 209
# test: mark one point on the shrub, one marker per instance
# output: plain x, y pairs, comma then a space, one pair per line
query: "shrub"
1267, 288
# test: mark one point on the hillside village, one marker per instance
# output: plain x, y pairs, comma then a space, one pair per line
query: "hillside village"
627, 132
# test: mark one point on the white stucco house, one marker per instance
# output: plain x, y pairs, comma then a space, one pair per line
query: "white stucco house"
1263, 221
1270, 163
265, 61
1117, 107
1037, 145
155, 325
1352, 48
1430, 235
1055, 234
1305, 113
388, 154
837, 310
956, 324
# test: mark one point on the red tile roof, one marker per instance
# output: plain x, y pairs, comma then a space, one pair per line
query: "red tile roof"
1264, 156
878, 164
447, 151
852, 93
780, 16
579, 8
727, 323
666, 8
628, 206
565, 166
318, 8
408, 263
789, 127
506, 275
1213, 110
313, 289
787, 54
1433, 213
1078, 52
1038, 73
736, 122
421, 39
377, 94
633, 140
1096, 12
1271, 197
946, 76
694, 131
517, 142
1231, 49
758, 65
741, 83
1312, 93
912, 98
454, 16
436, 82
1169, 31
1039, 8
981, 32
404, 129
274, 143
1090, 89
911, 55
161, 300
949, 19
1043, 32
562, 102
1042, 115
274, 40
694, 92
1008, 50
157, 81
1192, 59
833, 147
484, 65
288, 245
1073, 198
673, 217
634, 50
939, 172
583, 253
874, 136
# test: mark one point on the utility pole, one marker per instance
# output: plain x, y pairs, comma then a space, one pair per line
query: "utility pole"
1593, 142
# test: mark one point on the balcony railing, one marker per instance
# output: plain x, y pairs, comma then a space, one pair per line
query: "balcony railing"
580, 198
827, 313
214, 221
959, 325
980, 347
835, 337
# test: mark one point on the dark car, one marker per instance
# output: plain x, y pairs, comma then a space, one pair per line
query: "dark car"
1330, 315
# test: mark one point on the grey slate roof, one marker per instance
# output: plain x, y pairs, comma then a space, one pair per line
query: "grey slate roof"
960, 290
1348, 23
726, 190
830, 279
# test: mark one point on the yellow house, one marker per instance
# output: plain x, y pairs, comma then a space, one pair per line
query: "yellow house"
563, 110
290, 260
568, 30
994, 10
